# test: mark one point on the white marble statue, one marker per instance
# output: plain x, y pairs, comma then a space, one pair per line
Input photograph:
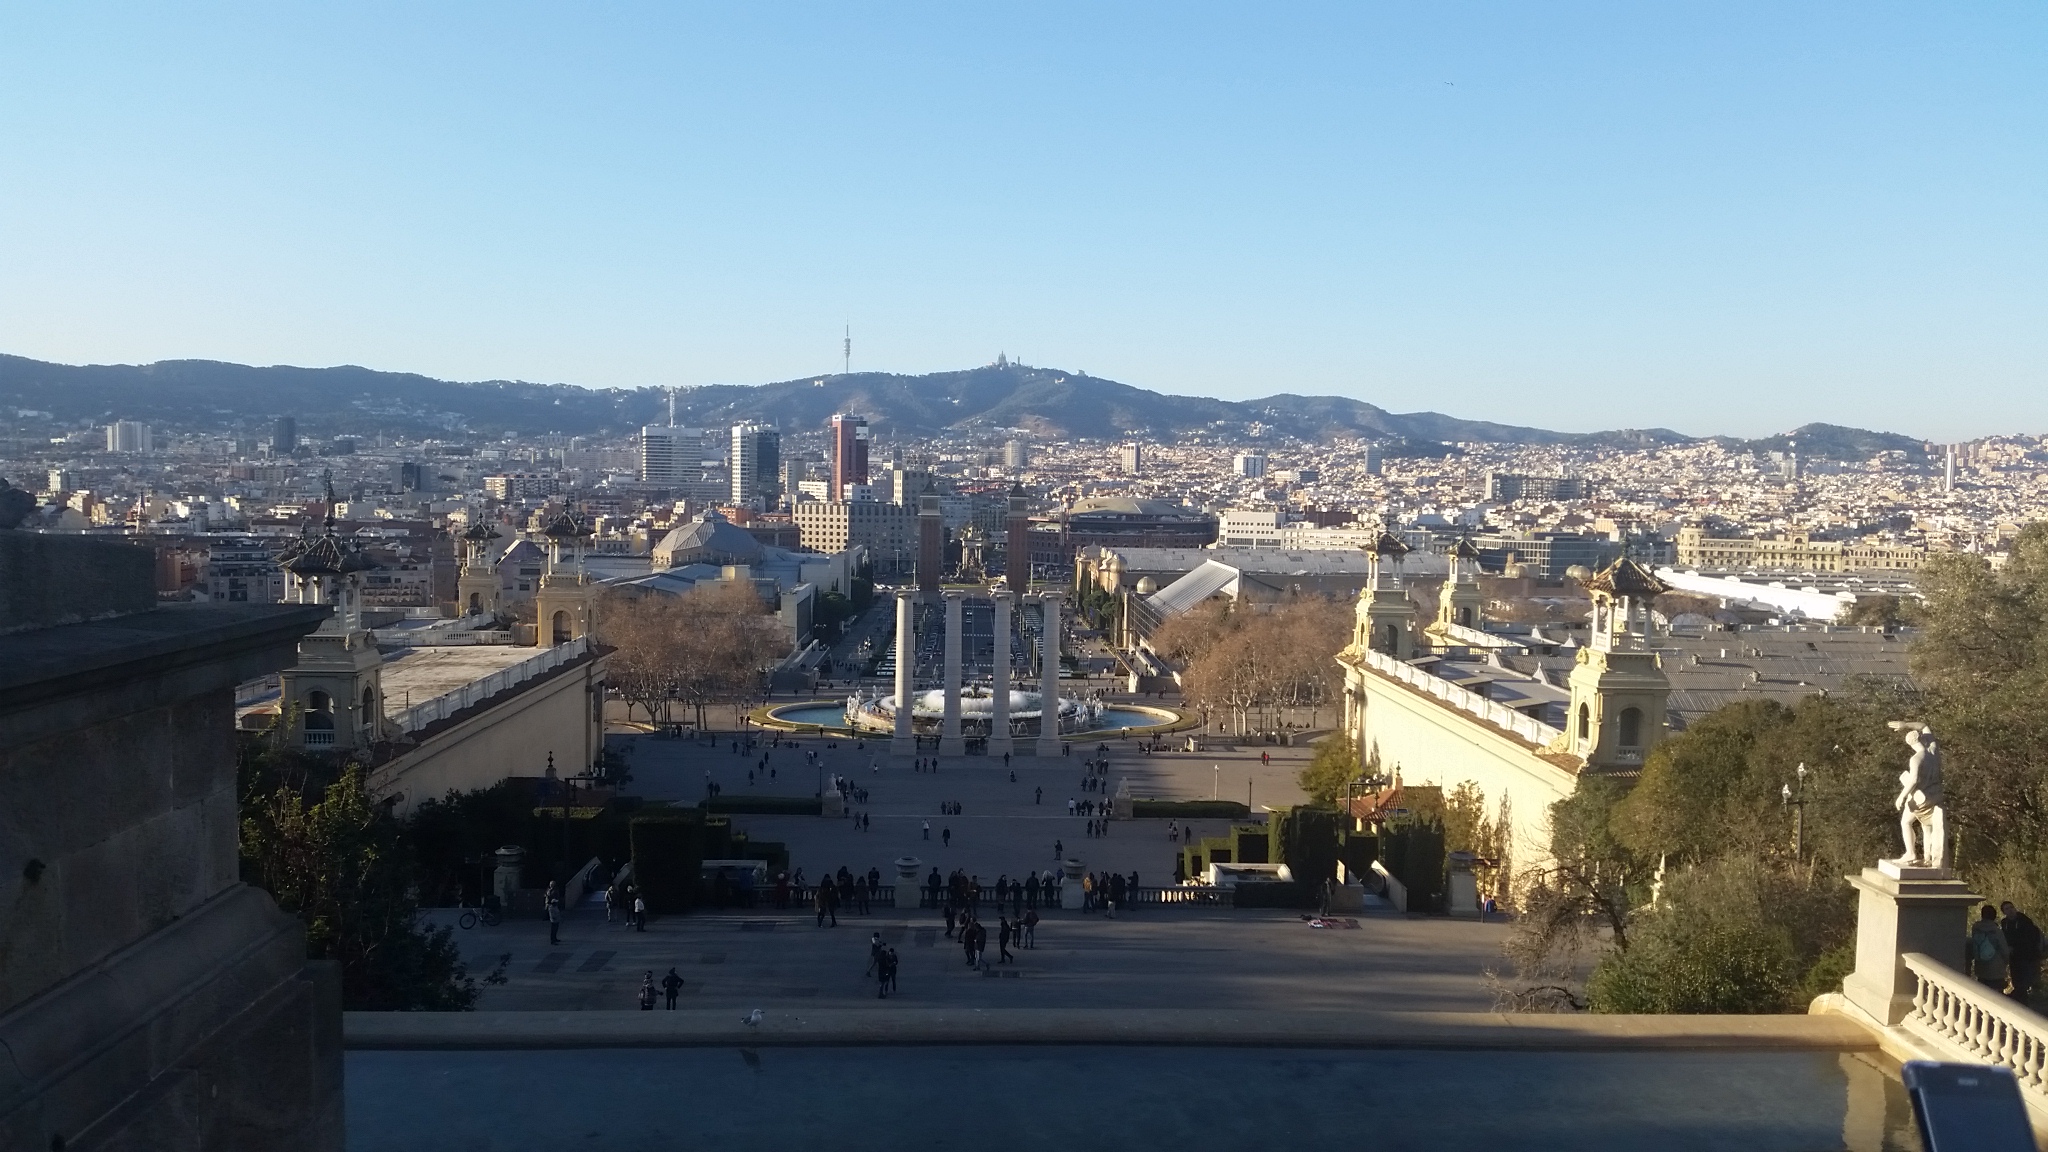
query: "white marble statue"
1919, 800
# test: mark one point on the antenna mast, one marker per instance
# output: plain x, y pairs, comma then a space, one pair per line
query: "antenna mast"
671, 406
846, 352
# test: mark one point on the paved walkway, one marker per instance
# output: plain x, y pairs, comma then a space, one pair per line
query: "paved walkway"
1078, 1099
1160, 959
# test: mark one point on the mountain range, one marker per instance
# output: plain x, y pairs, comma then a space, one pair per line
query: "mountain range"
1042, 403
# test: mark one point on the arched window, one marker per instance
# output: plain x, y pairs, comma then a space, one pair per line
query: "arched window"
1464, 617
1631, 728
1393, 640
1585, 722
561, 627
369, 717
476, 603
319, 711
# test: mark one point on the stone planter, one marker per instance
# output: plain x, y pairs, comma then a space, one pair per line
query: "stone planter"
906, 870
1073, 867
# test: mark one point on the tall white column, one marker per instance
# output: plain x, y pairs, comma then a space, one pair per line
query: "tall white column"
999, 741
904, 743
1049, 676
950, 741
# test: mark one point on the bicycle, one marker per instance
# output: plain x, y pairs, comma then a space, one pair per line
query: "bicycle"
487, 912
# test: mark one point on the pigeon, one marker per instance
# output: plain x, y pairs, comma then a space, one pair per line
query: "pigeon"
752, 1019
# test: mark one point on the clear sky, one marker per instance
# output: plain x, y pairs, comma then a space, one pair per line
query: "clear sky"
1716, 217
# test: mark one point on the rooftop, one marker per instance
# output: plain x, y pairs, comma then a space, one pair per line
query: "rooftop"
416, 675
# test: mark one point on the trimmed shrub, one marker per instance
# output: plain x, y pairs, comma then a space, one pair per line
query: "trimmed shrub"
743, 805
1189, 810
668, 858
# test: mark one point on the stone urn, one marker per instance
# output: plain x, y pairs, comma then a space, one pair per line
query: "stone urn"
505, 879
1073, 867
906, 870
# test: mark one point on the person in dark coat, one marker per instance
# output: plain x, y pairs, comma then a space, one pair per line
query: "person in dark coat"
672, 986
2024, 938
1003, 937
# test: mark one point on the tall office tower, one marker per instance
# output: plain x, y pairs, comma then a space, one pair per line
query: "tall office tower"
671, 455
412, 477
1249, 464
1016, 454
284, 436
756, 465
128, 436
849, 452
1131, 458
1373, 460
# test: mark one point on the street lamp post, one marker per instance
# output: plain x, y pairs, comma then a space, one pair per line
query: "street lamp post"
1795, 799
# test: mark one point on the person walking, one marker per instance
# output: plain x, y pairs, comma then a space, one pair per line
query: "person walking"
639, 913
1059, 849
2024, 938
552, 902
827, 901
875, 947
611, 901
672, 986
946, 837
1038, 794
967, 941
647, 992
1003, 936
978, 941
927, 829
1031, 889
888, 970
1989, 952
949, 919
1031, 928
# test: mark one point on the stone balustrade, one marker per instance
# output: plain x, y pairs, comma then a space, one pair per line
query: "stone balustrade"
1953, 1012
449, 703
1464, 700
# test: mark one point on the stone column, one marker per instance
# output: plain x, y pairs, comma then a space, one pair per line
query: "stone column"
904, 743
1049, 676
950, 741
999, 741
1901, 910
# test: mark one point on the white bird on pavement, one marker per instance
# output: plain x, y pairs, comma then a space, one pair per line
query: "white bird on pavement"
752, 1019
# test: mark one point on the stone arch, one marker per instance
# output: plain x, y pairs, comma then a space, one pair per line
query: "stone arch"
1631, 728
1585, 722
558, 626
319, 711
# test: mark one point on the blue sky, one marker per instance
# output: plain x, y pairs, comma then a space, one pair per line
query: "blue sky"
1714, 217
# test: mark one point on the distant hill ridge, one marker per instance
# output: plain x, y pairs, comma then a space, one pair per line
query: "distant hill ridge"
1045, 402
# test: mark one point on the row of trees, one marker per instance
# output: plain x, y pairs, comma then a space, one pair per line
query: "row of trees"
708, 645
1247, 662
1688, 892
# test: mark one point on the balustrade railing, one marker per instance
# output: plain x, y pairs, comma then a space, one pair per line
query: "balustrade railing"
1952, 1011
1464, 700
476, 692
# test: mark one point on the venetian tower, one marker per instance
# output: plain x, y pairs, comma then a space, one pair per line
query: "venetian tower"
565, 605
1386, 618
333, 698
1460, 604
1619, 690
476, 589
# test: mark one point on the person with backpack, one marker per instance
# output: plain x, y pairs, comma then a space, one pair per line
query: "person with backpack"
647, 992
2024, 938
1031, 927
1989, 953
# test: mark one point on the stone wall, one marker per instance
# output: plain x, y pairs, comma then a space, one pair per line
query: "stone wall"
1433, 743
148, 999
511, 736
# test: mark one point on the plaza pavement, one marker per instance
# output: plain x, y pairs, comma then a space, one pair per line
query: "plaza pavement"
1155, 957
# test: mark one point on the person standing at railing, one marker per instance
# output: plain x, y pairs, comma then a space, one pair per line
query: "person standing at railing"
2024, 938
1988, 950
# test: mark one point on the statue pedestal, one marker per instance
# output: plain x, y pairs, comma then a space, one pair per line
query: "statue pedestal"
1903, 909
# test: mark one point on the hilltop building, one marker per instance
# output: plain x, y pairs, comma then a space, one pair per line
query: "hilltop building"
1795, 551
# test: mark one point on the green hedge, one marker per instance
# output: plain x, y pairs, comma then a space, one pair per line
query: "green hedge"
1190, 809
765, 805
668, 858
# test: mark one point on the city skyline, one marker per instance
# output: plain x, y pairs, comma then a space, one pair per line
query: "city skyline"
1741, 220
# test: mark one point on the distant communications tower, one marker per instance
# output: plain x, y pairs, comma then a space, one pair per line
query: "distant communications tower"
846, 353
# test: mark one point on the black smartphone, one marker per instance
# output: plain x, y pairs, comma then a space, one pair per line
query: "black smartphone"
1968, 1108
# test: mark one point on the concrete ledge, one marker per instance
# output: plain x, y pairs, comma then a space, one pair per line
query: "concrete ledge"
846, 1027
